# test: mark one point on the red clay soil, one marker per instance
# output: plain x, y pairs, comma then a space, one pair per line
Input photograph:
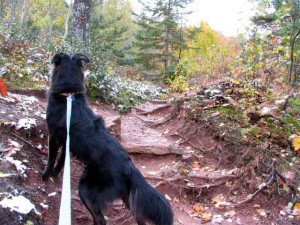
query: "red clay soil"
138, 133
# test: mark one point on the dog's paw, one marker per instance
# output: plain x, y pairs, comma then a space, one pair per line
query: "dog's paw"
45, 175
55, 173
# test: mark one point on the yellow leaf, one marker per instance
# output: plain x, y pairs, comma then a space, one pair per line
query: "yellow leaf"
297, 206
198, 208
296, 143
217, 199
205, 217
235, 82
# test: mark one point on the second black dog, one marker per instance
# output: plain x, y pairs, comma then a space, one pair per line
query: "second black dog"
109, 173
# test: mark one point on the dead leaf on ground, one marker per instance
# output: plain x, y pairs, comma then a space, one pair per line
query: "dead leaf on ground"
296, 143
206, 217
3, 88
198, 208
218, 198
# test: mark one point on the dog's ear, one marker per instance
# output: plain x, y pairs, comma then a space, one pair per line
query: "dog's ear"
81, 59
58, 57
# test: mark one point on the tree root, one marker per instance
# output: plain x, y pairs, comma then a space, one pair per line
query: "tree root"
178, 178
165, 120
272, 180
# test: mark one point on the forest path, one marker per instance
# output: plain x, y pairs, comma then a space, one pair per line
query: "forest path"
193, 173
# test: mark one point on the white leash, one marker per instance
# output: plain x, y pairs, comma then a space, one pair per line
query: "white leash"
65, 204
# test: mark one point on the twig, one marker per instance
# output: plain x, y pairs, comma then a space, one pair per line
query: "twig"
27, 142
221, 154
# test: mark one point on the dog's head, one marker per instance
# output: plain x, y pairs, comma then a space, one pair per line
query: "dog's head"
67, 73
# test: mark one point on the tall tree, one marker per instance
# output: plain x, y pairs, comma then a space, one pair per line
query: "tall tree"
160, 39
111, 27
81, 25
284, 21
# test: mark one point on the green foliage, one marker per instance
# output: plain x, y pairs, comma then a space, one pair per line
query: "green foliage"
209, 54
272, 53
178, 84
160, 38
124, 94
178, 80
292, 121
111, 26
23, 66
253, 130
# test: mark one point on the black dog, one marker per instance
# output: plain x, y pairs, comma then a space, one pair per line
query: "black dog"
109, 172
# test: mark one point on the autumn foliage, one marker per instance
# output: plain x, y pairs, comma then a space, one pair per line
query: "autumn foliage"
3, 88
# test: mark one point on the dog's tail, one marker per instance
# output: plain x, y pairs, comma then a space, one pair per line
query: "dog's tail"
147, 204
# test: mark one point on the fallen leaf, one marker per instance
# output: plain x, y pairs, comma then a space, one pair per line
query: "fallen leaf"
231, 213
198, 208
175, 200
205, 217
296, 210
218, 198
3, 88
296, 143
262, 212
196, 164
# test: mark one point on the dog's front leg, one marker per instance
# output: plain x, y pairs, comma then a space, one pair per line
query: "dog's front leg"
61, 161
53, 147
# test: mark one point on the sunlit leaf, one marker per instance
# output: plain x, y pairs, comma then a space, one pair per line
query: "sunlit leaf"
3, 88
296, 143
198, 208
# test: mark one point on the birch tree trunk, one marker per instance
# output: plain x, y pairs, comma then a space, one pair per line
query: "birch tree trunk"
67, 23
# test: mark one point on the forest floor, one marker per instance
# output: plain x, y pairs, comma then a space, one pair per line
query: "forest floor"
189, 161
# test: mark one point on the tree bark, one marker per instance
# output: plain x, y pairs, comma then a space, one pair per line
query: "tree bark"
81, 25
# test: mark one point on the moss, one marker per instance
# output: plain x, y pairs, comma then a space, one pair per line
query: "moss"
292, 121
228, 110
278, 129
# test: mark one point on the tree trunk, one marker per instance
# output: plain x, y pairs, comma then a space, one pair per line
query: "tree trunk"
13, 10
22, 16
81, 25
2, 9
167, 54
292, 43
67, 23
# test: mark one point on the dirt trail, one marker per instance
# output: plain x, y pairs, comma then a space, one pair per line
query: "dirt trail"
189, 175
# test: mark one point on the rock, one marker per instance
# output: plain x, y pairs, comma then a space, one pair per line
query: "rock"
113, 124
154, 149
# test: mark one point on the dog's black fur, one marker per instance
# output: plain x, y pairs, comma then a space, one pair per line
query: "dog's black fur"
109, 173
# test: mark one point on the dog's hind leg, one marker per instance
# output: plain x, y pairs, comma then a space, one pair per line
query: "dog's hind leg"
141, 223
89, 197
53, 147
61, 161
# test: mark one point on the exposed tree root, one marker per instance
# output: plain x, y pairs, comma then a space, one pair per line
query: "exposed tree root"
165, 119
157, 101
176, 180
272, 180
